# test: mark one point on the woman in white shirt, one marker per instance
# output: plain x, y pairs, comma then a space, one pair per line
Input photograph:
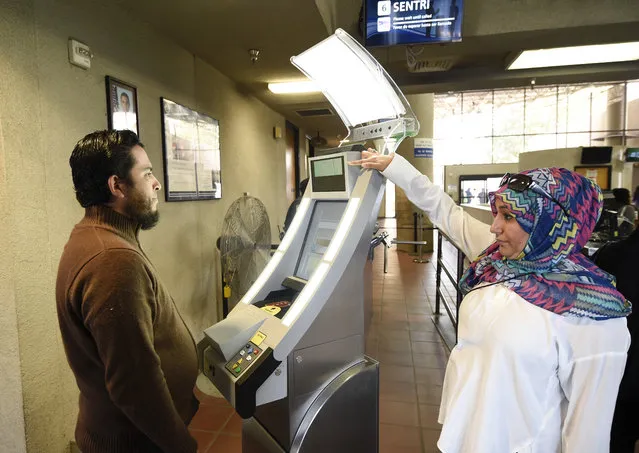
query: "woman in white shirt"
542, 331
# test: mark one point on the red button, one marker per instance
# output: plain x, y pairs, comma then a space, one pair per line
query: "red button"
256, 352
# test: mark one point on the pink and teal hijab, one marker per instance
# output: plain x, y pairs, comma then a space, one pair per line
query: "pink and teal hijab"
551, 271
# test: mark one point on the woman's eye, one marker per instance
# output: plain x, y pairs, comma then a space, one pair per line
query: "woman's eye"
508, 217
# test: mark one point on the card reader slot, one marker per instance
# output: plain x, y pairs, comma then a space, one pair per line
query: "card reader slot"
295, 283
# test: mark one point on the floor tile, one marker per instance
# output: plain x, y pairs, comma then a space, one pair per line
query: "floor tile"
399, 436
211, 418
429, 438
204, 438
398, 413
431, 336
393, 334
226, 443
427, 347
208, 400
396, 449
425, 318
432, 377
428, 394
435, 360
402, 392
396, 358
418, 309
386, 345
419, 326
396, 373
234, 425
428, 414
393, 325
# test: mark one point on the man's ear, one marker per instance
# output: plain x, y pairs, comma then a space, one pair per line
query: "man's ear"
116, 184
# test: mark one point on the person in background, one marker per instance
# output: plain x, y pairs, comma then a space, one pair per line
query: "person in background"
542, 336
635, 198
132, 355
483, 196
620, 259
469, 196
292, 209
626, 212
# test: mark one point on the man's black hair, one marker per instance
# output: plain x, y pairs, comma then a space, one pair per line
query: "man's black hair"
95, 158
621, 195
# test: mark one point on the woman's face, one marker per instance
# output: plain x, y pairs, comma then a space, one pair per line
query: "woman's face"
510, 236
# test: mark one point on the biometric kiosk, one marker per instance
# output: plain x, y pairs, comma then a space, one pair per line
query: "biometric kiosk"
290, 355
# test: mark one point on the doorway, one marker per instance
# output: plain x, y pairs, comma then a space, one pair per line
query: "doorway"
292, 162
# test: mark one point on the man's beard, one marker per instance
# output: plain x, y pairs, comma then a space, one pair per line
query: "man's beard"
141, 211
149, 219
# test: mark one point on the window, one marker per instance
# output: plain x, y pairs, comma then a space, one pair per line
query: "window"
494, 126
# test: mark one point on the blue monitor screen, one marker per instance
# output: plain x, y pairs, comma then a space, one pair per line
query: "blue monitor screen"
395, 22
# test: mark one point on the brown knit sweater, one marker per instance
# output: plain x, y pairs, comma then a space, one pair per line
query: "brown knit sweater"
132, 355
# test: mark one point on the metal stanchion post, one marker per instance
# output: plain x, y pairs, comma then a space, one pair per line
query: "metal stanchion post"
420, 236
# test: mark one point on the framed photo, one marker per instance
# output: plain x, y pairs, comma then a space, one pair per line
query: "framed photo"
600, 174
191, 154
122, 105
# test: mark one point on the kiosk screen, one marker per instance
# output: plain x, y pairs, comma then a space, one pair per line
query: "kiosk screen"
328, 175
326, 216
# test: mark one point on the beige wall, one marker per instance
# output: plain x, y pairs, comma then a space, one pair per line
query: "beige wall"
46, 106
422, 105
565, 158
621, 174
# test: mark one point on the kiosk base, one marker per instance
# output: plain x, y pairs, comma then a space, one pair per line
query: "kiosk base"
342, 419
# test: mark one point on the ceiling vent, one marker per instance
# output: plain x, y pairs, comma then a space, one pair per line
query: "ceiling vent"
418, 60
314, 112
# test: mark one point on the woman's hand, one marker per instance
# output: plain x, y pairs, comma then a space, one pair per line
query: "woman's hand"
372, 159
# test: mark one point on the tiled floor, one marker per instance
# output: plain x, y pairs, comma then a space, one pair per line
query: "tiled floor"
412, 362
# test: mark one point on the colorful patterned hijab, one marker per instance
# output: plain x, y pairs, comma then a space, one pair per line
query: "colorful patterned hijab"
551, 272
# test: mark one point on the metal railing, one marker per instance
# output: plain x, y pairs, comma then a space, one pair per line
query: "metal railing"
440, 297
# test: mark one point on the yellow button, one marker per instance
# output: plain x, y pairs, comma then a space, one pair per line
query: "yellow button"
258, 338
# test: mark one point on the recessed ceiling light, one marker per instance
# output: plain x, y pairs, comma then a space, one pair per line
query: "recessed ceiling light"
304, 86
578, 55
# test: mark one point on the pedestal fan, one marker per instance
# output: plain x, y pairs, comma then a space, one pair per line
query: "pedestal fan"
245, 246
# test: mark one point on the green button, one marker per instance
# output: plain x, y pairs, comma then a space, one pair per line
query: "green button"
237, 369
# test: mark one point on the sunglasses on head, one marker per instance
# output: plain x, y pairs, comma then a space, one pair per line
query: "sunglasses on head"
520, 183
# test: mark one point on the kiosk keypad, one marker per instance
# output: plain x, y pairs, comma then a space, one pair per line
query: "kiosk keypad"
243, 359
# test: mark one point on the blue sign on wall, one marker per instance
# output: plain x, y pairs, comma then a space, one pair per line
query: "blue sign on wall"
423, 147
395, 22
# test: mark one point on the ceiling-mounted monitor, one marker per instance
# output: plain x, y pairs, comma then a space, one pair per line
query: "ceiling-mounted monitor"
397, 22
632, 155
596, 155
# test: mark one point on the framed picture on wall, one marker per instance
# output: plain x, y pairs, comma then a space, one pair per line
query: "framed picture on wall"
600, 174
122, 105
191, 154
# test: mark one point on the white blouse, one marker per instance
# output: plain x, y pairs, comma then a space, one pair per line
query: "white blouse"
521, 379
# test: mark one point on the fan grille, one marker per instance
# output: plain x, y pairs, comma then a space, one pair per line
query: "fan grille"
245, 245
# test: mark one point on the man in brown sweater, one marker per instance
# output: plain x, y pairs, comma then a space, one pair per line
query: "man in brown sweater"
132, 355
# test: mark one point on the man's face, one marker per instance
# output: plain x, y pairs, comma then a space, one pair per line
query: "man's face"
124, 103
141, 190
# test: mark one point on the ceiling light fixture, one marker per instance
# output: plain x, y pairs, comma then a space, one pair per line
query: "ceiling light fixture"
578, 55
304, 86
